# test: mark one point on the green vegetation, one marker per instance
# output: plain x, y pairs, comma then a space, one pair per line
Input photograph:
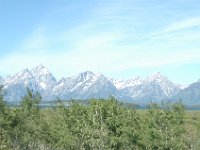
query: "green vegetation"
99, 124
192, 125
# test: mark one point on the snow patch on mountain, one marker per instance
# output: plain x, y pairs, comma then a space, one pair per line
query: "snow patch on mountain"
121, 84
1, 80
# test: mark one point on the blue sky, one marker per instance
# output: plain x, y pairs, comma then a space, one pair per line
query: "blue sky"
120, 38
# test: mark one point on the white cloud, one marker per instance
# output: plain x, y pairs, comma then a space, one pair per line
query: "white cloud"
99, 52
36, 41
88, 47
181, 25
105, 61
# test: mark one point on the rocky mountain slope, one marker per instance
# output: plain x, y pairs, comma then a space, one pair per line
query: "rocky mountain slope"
190, 95
87, 85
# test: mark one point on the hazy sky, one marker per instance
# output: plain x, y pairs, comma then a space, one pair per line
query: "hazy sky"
120, 38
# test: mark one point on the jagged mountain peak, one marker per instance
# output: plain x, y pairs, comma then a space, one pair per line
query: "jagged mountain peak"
84, 85
25, 70
79, 79
41, 70
25, 74
189, 95
85, 75
156, 77
43, 77
89, 85
1, 79
136, 78
157, 74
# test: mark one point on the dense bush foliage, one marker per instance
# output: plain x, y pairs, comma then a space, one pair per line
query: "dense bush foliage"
100, 124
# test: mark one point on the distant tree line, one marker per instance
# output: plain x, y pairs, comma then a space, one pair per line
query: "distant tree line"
100, 125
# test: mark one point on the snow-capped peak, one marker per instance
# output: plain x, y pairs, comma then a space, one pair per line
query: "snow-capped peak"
156, 77
43, 76
19, 77
1, 79
23, 72
168, 87
85, 75
40, 69
39, 76
87, 85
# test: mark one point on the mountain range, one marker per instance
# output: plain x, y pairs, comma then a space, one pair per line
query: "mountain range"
85, 85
